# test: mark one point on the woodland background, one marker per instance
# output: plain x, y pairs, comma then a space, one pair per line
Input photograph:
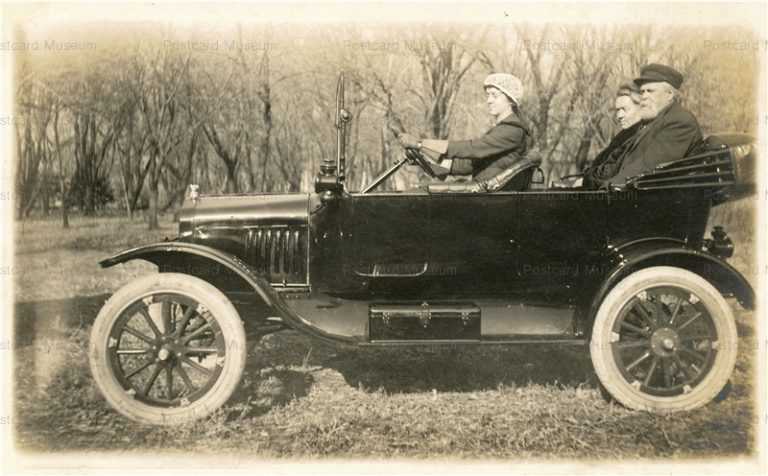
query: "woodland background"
121, 117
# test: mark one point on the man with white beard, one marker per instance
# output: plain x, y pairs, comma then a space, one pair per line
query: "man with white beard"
668, 131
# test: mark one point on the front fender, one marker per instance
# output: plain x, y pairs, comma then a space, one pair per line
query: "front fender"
723, 276
174, 254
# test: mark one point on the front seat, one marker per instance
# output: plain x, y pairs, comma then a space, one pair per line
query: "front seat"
516, 178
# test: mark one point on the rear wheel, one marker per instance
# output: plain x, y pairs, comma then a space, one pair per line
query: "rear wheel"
167, 349
664, 340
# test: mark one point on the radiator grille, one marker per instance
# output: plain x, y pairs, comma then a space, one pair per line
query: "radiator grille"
279, 253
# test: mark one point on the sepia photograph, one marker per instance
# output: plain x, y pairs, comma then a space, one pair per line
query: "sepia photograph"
384, 238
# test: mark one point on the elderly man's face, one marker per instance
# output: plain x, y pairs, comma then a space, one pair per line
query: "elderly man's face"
627, 111
655, 97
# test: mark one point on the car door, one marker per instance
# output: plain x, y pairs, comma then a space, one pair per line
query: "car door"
561, 235
473, 244
516, 243
390, 240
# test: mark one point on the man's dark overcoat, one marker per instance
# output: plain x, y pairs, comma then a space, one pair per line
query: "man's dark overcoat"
669, 136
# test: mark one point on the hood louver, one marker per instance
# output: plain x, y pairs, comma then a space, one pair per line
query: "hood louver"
279, 252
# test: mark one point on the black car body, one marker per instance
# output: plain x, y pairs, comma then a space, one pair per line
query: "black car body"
448, 265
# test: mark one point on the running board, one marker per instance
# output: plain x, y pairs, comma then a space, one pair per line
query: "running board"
527, 340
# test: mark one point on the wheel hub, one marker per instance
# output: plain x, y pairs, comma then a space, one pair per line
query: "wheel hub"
164, 354
170, 347
665, 342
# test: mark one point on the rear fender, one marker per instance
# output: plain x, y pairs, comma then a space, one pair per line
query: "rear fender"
223, 270
727, 280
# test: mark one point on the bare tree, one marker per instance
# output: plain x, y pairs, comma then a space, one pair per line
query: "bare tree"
97, 121
28, 153
179, 167
444, 64
157, 89
133, 142
589, 73
35, 103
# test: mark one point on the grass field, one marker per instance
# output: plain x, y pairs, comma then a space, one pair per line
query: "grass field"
307, 399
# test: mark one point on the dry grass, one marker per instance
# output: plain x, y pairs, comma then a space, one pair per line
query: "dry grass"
303, 398
53, 263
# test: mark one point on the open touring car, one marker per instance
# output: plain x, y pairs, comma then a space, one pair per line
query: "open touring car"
625, 271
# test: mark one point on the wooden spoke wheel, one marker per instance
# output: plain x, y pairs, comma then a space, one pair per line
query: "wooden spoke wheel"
167, 349
664, 340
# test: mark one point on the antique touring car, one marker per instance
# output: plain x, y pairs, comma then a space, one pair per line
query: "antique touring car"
626, 270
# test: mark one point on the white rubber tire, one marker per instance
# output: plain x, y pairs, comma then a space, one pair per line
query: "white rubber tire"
226, 317
602, 356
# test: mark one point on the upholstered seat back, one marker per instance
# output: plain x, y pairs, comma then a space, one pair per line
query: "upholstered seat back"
515, 178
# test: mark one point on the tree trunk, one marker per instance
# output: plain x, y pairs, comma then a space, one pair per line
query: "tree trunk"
127, 198
153, 196
27, 208
265, 144
64, 214
27, 173
385, 158
139, 184
62, 181
153, 222
45, 198
231, 185
90, 197
123, 173
583, 151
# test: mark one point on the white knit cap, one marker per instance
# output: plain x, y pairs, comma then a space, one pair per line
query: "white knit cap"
506, 83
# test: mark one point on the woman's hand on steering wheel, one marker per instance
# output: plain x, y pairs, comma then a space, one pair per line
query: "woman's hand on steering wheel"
416, 157
411, 144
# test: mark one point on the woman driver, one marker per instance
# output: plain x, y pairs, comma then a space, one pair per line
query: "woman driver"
499, 148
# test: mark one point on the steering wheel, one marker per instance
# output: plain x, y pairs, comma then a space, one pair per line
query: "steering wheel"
414, 156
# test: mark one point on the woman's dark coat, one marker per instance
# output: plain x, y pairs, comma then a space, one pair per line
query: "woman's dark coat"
504, 144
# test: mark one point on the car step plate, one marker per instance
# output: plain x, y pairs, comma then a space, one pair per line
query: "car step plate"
424, 321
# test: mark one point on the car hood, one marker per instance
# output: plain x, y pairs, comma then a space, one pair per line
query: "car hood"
245, 209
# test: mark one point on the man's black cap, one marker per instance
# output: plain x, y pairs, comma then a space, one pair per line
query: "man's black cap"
654, 73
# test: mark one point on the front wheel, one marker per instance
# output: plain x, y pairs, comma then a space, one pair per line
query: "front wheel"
167, 349
664, 340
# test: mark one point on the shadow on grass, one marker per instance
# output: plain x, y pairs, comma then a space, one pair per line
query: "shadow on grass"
464, 369
445, 369
263, 389
53, 318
